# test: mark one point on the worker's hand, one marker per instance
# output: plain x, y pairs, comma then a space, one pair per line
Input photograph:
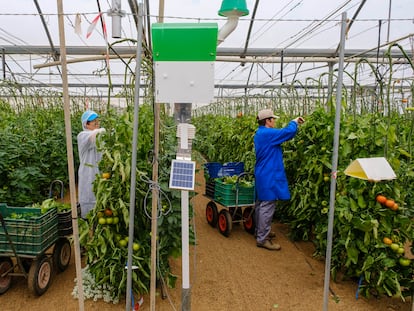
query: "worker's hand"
101, 130
299, 120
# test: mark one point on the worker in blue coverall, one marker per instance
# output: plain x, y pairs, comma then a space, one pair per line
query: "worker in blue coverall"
270, 176
89, 159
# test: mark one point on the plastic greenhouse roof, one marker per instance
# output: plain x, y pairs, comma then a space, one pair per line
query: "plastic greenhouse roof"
310, 27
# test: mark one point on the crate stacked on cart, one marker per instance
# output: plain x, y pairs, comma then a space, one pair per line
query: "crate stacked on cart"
214, 170
65, 223
234, 194
30, 230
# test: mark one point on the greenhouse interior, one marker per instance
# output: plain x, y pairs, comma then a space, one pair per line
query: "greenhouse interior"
178, 91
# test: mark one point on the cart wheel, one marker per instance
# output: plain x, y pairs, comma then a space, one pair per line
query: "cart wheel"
248, 220
40, 275
211, 213
61, 254
224, 222
6, 265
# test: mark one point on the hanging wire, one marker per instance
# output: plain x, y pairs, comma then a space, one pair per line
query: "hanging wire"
161, 211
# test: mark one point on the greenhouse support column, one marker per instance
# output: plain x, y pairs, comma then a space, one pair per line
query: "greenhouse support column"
334, 164
154, 210
3, 61
69, 151
330, 84
134, 159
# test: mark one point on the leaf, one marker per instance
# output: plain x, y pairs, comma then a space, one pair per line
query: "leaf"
361, 201
352, 136
353, 205
404, 153
352, 253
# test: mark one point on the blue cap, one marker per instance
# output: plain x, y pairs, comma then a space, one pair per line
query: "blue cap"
88, 115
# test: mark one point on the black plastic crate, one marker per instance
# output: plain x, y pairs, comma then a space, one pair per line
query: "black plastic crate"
65, 223
210, 186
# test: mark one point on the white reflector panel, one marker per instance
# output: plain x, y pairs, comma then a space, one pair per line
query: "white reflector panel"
375, 169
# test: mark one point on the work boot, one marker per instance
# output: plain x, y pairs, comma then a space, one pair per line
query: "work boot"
269, 245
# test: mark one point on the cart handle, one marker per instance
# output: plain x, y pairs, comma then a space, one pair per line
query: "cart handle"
244, 174
19, 262
61, 188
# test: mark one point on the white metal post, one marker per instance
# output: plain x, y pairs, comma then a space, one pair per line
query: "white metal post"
185, 257
134, 160
334, 164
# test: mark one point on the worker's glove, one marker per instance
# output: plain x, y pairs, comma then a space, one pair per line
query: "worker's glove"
299, 120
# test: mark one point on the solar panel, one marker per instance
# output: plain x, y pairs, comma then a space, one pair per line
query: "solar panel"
182, 175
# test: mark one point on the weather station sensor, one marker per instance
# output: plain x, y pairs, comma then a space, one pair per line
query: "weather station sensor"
184, 56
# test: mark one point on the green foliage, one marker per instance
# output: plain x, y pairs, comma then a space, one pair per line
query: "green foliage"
32, 152
223, 139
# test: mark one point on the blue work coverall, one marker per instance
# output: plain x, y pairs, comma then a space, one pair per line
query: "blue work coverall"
271, 182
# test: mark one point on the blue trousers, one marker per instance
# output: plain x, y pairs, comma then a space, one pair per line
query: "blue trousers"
264, 211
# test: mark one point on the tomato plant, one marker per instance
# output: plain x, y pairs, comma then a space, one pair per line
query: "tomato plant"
110, 218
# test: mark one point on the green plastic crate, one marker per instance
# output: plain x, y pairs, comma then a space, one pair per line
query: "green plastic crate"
226, 194
31, 236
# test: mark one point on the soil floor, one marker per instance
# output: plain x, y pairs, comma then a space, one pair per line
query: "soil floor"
226, 274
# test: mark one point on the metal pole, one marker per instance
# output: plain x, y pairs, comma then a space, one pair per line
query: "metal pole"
69, 151
389, 22
3, 63
334, 163
134, 160
185, 258
330, 84
154, 220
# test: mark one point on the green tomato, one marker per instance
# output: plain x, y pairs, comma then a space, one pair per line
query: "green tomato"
394, 247
405, 262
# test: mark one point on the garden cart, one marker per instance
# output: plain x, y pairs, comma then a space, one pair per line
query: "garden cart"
236, 203
30, 246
